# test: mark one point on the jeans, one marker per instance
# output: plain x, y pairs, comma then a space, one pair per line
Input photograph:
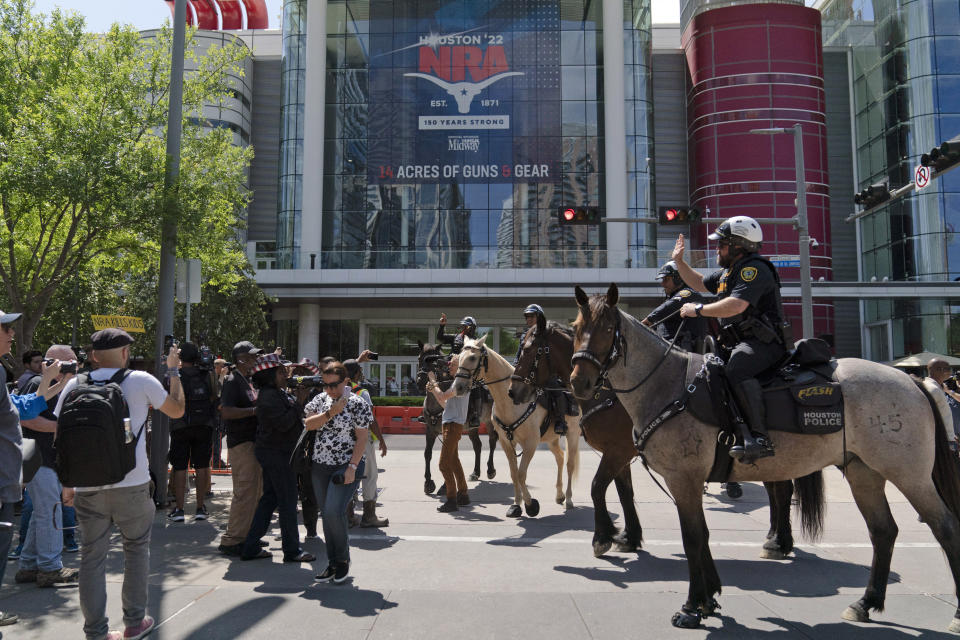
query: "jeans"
332, 500
44, 544
6, 535
25, 514
132, 510
280, 494
69, 526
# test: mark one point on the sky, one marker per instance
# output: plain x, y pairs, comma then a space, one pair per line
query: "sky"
149, 14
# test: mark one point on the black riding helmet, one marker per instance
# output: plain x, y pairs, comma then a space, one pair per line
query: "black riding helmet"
669, 271
469, 326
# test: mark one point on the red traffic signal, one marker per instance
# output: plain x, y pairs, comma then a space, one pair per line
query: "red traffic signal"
678, 215
569, 216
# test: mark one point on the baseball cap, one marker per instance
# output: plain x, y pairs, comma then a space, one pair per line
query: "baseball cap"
245, 347
110, 339
7, 318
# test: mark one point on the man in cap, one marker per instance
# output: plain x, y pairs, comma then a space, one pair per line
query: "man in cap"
126, 504
374, 441
12, 409
666, 318
238, 401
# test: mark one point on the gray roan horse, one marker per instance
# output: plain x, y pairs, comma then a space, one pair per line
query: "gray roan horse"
546, 353
893, 432
431, 359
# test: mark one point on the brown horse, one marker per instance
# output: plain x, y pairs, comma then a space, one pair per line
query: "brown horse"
429, 360
893, 431
546, 352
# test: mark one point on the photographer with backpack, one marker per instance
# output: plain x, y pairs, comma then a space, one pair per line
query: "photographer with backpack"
102, 451
191, 437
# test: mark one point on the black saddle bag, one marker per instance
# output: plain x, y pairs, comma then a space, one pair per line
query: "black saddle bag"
811, 351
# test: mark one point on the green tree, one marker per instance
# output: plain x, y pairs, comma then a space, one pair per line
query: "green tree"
82, 125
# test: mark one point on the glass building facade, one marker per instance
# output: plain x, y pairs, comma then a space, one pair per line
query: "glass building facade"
906, 96
415, 177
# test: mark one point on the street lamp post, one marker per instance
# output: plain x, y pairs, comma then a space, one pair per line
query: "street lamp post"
800, 223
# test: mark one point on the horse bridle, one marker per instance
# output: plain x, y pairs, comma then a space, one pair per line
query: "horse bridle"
617, 348
530, 378
474, 376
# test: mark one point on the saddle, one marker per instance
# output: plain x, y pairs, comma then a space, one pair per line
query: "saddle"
800, 394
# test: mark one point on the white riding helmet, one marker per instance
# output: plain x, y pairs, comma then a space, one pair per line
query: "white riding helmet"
741, 231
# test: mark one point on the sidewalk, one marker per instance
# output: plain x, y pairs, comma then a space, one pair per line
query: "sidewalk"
477, 574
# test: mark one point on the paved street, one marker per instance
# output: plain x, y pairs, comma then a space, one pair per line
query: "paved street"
477, 574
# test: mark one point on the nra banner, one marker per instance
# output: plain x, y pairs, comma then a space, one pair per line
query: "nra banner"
127, 323
464, 91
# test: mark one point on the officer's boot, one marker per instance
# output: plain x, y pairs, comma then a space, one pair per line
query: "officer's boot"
756, 442
559, 411
370, 518
473, 408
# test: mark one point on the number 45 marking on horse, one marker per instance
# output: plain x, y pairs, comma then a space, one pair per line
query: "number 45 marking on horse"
892, 423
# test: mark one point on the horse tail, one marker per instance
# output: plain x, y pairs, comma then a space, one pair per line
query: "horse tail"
946, 471
810, 495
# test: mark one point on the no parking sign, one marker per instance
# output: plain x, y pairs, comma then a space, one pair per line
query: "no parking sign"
921, 177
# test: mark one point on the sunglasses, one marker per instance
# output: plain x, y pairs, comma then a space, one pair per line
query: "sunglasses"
332, 385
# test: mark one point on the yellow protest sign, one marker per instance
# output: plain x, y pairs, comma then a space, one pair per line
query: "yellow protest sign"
127, 323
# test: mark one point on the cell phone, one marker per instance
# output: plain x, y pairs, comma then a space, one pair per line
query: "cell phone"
374, 355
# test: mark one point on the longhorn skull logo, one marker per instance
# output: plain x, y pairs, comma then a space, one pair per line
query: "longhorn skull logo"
464, 92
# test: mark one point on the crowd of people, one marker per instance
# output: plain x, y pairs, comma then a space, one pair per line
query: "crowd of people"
313, 443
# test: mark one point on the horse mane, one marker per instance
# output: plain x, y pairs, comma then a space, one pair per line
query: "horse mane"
562, 328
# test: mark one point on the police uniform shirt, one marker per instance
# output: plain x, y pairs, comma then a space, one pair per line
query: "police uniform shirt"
751, 280
667, 318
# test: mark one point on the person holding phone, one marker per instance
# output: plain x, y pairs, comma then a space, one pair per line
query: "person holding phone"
341, 419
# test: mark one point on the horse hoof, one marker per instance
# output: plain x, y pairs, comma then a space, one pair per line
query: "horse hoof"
856, 613
560, 499
474, 476
773, 554
429, 487
600, 548
685, 620
568, 505
622, 546
533, 508
734, 491
491, 474
954, 626
442, 491
514, 511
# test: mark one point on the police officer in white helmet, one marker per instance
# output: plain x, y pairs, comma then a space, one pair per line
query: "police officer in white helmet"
751, 316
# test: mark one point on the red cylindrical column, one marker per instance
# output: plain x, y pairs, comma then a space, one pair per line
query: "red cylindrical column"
755, 66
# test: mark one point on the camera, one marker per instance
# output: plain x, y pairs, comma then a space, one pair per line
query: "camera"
304, 382
951, 383
67, 366
373, 355
168, 342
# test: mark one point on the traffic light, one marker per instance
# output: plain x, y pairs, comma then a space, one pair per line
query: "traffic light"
942, 157
872, 196
678, 215
569, 216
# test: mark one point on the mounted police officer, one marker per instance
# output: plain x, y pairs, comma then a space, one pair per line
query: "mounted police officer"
751, 317
667, 318
561, 402
467, 329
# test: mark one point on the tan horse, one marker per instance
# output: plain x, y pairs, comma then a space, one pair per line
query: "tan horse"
518, 425
894, 432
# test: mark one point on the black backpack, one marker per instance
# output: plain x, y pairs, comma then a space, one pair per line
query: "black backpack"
196, 392
91, 440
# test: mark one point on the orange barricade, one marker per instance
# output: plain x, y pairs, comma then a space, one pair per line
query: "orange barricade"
403, 420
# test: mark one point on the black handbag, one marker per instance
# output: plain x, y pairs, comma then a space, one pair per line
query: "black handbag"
302, 457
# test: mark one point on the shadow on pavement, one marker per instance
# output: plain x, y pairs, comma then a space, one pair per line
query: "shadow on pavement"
242, 616
730, 628
356, 603
807, 576
539, 528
